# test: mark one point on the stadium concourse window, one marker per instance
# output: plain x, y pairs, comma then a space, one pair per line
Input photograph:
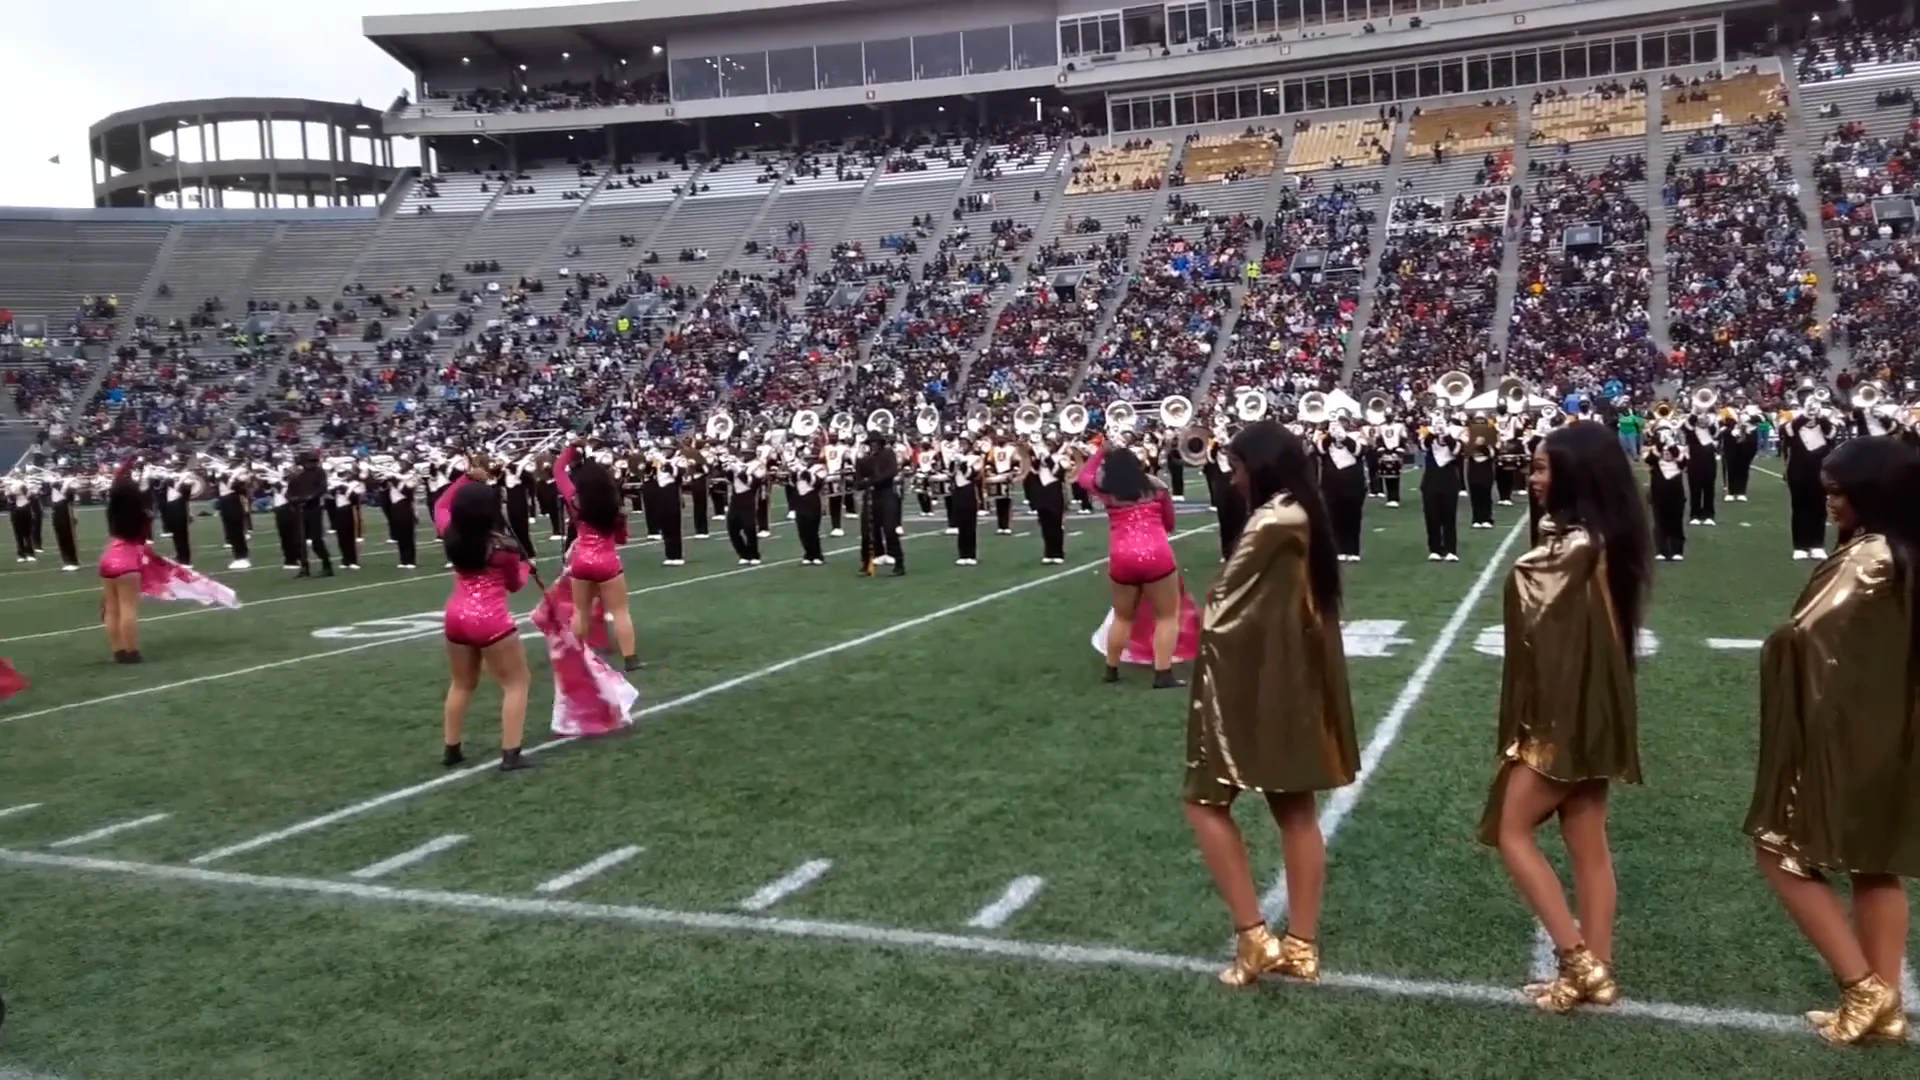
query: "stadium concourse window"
743, 74
697, 79
1186, 23
988, 50
840, 66
937, 56
1091, 35
889, 60
790, 71
1482, 72
1035, 46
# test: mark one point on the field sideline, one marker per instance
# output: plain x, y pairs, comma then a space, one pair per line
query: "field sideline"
896, 827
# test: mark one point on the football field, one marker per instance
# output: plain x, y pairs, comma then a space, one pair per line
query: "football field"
862, 829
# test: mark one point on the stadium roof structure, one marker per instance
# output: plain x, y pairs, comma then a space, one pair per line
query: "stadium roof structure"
174, 147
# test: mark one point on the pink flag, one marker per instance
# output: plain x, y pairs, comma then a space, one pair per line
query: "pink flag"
164, 579
589, 696
11, 681
1139, 648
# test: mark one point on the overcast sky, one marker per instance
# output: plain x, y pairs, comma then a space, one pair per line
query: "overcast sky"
61, 74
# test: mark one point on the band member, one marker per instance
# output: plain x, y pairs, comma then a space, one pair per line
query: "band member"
60, 510
1389, 457
592, 498
402, 517
840, 500
306, 492
1041, 473
176, 515
1509, 458
1480, 470
1440, 494
1703, 467
963, 503
519, 479
1140, 564
763, 504
999, 462
694, 480
230, 492
663, 494
1568, 718
1739, 445
808, 478
748, 477
286, 522
1805, 442
343, 495
1344, 482
20, 499
1833, 786
880, 509
488, 565
1667, 477
1282, 583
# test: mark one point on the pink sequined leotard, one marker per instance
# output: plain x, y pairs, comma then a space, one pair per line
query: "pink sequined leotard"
477, 612
1138, 551
596, 554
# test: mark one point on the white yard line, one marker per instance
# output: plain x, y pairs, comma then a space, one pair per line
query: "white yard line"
20, 809
594, 869
1067, 955
1387, 732
336, 816
1546, 962
775, 891
308, 657
108, 830
1909, 992
1734, 643
408, 858
1769, 472
1019, 893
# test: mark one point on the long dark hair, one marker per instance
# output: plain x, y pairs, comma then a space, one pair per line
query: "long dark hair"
1591, 485
127, 509
1276, 460
1879, 477
1122, 476
470, 527
596, 496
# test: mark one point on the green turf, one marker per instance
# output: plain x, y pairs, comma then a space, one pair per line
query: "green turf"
932, 764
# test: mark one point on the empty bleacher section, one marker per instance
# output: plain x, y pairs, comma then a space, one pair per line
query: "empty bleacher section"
1562, 117
47, 266
1339, 144
1712, 102
209, 273
712, 220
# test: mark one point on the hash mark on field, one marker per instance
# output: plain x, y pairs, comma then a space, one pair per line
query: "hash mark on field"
407, 858
1387, 732
108, 830
1546, 964
1020, 892
21, 809
1909, 992
1733, 643
775, 891
593, 869
334, 817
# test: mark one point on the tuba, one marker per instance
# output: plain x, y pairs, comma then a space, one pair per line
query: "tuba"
880, 420
1027, 419
979, 419
1513, 395
1453, 388
841, 425
1073, 419
1249, 405
1121, 416
1869, 395
805, 423
719, 427
1375, 410
1705, 399
1193, 444
1313, 408
1176, 411
926, 419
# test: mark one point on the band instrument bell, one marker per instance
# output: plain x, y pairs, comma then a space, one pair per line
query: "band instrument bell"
805, 423
1704, 399
1175, 412
880, 420
1313, 407
1192, 445
720, 427
979, 418
1249, 405
1375, 410
841, 425
926, 420
1513, 395
1869, 395
1121, 416
1453, 389
1073, 419
1027, 419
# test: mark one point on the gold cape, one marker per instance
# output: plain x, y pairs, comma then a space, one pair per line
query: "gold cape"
1567, 707
1837, 786
1270, 710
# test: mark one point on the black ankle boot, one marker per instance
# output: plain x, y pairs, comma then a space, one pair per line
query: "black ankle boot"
513, 760
1112, 675
452, 755
1166, 680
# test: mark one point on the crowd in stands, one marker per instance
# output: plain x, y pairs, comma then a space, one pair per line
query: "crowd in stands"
1874, 266
1433, 305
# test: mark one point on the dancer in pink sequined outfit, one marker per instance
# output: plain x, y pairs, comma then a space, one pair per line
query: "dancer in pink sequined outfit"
1140, 562
593, 501
128, 527
488, 565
